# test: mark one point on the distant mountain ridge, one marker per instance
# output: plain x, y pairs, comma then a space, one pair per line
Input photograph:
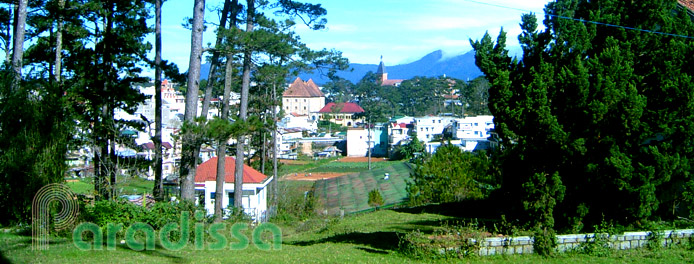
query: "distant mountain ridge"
431, 65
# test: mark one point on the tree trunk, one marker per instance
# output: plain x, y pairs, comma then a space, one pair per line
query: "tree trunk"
222, 144
246, 81
190, 141
59, 43
215, 55
18, 46
158, 191
274, 144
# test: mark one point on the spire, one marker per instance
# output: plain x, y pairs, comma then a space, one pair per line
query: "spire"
381, 67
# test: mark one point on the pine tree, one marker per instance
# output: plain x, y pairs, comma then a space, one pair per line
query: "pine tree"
596, 113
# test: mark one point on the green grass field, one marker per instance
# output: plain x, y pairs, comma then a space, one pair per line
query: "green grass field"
350, 192
125, 185
361, 238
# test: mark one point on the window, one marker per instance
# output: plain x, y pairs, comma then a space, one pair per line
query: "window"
304, 100
439, 121
304, 108
296, 100
476, 124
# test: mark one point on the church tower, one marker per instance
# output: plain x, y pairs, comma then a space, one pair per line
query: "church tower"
382, 71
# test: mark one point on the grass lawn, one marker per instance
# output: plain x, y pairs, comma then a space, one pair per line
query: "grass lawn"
350, 192
125, 185
360, 238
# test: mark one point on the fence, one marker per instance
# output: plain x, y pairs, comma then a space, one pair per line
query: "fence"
627, 240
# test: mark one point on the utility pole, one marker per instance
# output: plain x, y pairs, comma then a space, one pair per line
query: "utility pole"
368, 143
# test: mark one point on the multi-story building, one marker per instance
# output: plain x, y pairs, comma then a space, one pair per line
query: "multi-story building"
303, 98
360, 139
429, 126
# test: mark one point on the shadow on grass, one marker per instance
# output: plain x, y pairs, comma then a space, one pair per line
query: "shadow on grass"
488, 209
4, 259
380, 242
158, 251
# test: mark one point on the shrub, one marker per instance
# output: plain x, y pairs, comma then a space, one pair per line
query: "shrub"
375, 198
545, 240
447, 242
599, 244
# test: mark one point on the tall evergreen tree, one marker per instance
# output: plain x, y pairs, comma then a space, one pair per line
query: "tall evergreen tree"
597, 111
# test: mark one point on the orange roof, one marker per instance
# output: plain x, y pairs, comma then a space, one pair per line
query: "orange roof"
207, 171
391, 82
689, 4
299, 88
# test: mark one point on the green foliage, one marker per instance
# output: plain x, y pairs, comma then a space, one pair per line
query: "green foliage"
407, 151
35, 134
450, 175
599, 244
325, 125
126, 213
544, 241
294, 203
375, 198
446, 242
594, 109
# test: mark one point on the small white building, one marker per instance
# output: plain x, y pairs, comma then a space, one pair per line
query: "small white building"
295, 120
429, 126
254, 198
473, 128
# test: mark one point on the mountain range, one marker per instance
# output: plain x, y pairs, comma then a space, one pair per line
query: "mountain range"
432, 65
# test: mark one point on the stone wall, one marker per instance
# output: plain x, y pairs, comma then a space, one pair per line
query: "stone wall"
628, 240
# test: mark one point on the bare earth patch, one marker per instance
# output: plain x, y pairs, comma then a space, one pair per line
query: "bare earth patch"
361, 159
313, 176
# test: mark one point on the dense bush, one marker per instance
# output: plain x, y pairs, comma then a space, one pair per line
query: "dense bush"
450, 175
126, 213
445, 242
294, 206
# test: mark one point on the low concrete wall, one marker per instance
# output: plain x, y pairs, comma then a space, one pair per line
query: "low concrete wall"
628, 240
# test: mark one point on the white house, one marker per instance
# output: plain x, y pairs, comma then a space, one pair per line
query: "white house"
295, 120
254, 197
360, 139
473, 132
428, 126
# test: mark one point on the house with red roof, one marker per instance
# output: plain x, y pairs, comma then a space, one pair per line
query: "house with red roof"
302, 98
342, 113
254, 197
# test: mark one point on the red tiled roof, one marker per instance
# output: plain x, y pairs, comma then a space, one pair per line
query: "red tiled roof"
207, 171
689, 4
344, 108
299, 88
392, 82
150, 145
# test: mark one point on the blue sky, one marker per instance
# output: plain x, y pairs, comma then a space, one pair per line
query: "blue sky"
400, 30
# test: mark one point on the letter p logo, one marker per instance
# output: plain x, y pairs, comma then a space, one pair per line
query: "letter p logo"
40, 212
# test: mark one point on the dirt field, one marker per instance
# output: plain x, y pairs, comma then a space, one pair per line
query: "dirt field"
313, 176
361, 159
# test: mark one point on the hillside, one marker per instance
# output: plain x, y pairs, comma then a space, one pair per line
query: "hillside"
433, 64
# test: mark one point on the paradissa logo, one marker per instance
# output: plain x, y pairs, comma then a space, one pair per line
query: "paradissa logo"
164, 236
41, 221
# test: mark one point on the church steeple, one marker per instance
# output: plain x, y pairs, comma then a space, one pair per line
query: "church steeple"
382, 70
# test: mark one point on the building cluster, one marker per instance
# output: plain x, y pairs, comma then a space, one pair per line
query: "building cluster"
303, 107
